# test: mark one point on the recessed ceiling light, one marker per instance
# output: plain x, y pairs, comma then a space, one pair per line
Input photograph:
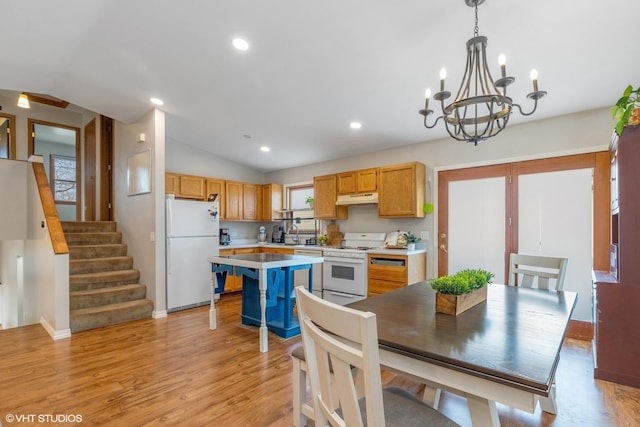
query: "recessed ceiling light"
265, 149
355, 125
240, 44
157, 101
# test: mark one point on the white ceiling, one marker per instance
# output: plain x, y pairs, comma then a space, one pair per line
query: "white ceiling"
313, 67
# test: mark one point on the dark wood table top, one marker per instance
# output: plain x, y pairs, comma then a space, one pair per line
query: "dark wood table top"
514, 337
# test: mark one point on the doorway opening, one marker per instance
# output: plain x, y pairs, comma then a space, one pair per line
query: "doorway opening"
59, 146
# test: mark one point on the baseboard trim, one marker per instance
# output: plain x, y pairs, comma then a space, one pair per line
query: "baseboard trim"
159, 314
580, 330
56, 335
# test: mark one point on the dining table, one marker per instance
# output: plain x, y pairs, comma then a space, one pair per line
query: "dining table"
505, 349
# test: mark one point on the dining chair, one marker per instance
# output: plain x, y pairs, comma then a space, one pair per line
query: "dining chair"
337, 339
523, 269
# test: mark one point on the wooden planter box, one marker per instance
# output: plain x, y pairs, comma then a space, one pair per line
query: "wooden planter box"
456, 304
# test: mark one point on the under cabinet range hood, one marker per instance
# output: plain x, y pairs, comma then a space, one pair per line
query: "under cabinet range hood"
357, 199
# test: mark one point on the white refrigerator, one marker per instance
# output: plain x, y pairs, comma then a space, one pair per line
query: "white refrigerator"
193, 230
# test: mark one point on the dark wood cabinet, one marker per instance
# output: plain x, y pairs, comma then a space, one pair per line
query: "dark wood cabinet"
616, 297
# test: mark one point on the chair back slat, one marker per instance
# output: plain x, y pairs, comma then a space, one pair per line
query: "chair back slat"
524, 269
335, 339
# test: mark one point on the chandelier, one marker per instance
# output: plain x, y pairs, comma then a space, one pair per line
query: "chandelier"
481, 108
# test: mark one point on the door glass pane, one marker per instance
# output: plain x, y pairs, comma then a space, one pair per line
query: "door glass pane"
476, 226
555, 215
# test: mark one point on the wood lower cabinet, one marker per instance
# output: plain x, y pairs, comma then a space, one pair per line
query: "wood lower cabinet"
234, 283
325, 196
285, 251
387, 272
401, 190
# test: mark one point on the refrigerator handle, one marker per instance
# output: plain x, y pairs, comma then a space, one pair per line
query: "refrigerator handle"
169, 256
169, 219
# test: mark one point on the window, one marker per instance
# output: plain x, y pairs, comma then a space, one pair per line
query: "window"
297, 196
62, 172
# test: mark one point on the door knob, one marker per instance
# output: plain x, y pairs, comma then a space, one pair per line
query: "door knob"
443, 248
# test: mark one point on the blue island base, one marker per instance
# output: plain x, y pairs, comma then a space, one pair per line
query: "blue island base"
279, 299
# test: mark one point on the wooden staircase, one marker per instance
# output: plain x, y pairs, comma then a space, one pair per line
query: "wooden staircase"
104, 287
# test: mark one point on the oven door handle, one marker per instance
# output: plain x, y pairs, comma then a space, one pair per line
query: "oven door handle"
344, 260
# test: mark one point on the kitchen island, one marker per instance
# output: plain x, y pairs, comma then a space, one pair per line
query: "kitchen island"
267, 282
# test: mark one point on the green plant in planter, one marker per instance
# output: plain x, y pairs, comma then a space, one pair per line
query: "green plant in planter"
309, 201
411, 238
463, 282
624, 112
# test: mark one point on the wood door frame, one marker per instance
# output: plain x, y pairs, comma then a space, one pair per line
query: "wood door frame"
12, 134
89, 196
599, 161
31, 141
107, 197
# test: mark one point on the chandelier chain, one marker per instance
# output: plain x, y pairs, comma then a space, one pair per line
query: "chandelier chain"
475, 30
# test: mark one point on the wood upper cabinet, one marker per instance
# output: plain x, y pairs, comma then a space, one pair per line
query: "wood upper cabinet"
250, 201
233, 200
171, 183
272, 202
401, 190
217, 186
192, 187
184, 186
360, 181
325, 195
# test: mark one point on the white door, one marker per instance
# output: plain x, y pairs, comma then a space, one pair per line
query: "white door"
476, 226
555, 216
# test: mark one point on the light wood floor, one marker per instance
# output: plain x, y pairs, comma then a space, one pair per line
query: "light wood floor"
175, 371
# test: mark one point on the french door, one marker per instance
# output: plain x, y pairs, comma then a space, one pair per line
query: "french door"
479, 214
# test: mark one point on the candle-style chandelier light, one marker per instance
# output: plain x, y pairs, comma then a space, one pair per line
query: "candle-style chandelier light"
481, 108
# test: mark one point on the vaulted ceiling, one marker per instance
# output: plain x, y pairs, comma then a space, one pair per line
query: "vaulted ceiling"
312, 67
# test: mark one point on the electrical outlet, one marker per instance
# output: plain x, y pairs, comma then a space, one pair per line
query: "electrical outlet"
424, 235
234, 233
152, 236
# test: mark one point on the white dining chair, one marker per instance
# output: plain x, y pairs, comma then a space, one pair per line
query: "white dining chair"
337, 339
523, 269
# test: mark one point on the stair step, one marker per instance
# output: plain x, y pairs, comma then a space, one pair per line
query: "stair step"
104, 296
77, 239
111, 314
88, 226
97, 251
95, 265
86, 281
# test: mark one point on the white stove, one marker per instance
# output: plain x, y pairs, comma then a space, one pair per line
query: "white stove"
344, 272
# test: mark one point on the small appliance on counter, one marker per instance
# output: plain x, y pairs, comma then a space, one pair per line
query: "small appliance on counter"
277, 236
225, 236
262, 234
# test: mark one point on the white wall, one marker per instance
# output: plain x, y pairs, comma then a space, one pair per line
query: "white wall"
138, 216
186, 159
13, 194
582, 132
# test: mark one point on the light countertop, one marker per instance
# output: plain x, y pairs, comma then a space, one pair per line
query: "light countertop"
318, 247
265, 260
